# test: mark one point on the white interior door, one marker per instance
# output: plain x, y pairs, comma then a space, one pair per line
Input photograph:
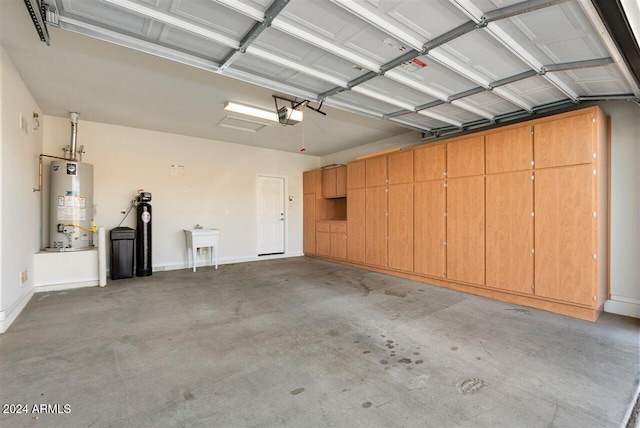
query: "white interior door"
270, 215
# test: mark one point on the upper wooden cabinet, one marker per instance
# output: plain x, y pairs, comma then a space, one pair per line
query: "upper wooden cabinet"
429, 163
334, 182
510, 150
401, 167
465, 157
309, 182
566, 141
376, 171
341, 181
356, 175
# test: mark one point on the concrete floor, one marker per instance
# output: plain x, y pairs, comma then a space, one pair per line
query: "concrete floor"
301, 342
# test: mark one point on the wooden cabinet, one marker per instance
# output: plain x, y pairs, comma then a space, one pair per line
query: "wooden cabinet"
339, 239
565, 141
564, 233
331, 238
429, 228
465, 157
356, 230
376, 172
458, 213
400, 226
341, 181
401, 167
430, 163
313, 208
323, 243
309, 223
376, 225
465, 229
334, 182
510, 150
509, 234
356, 174
309, 182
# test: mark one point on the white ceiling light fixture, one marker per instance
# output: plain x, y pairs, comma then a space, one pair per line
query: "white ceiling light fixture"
251, 111
285, 115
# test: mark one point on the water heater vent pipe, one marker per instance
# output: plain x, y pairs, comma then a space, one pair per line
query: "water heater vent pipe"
74, 135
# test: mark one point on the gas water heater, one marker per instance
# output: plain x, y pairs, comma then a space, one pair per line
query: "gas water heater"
71, 200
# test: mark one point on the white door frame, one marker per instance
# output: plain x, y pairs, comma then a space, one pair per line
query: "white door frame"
285, 210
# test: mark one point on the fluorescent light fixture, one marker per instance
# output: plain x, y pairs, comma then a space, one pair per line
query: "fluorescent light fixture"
285, 115
251, 111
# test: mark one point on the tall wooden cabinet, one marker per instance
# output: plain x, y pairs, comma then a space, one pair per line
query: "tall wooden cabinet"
429, 211
465, 210
356, 209
517, 213
400, 209
510, 210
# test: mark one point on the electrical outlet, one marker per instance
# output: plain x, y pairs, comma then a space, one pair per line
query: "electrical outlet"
23, 276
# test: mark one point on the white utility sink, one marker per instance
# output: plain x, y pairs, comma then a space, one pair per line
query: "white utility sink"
202, 238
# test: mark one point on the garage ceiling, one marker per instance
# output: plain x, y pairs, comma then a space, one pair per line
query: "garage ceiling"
436, 66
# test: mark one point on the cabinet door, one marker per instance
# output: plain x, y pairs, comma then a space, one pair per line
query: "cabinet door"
510, 231
565, 141
356, 174
376, 226
563, 231
465, 157
323, 243
376, 171
309, 223
356, 230
465, 229
309, 182
429, 228
400, 225
429, 163
339, 245
329, 183
510, 150
341, 181
401, 167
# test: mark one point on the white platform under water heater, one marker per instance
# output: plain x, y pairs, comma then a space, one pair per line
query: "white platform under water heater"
71, 206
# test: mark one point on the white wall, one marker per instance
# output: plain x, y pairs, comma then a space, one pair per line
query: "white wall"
218, 176
402, 141
625, 199
625, 207
20, 205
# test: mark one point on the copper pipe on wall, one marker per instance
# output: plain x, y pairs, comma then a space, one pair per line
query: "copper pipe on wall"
39, 188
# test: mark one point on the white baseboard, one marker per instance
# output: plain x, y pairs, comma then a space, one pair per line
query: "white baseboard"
66, 286
620, 305
8, 316
225, 261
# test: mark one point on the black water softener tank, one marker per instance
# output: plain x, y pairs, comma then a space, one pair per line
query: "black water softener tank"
143, 235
